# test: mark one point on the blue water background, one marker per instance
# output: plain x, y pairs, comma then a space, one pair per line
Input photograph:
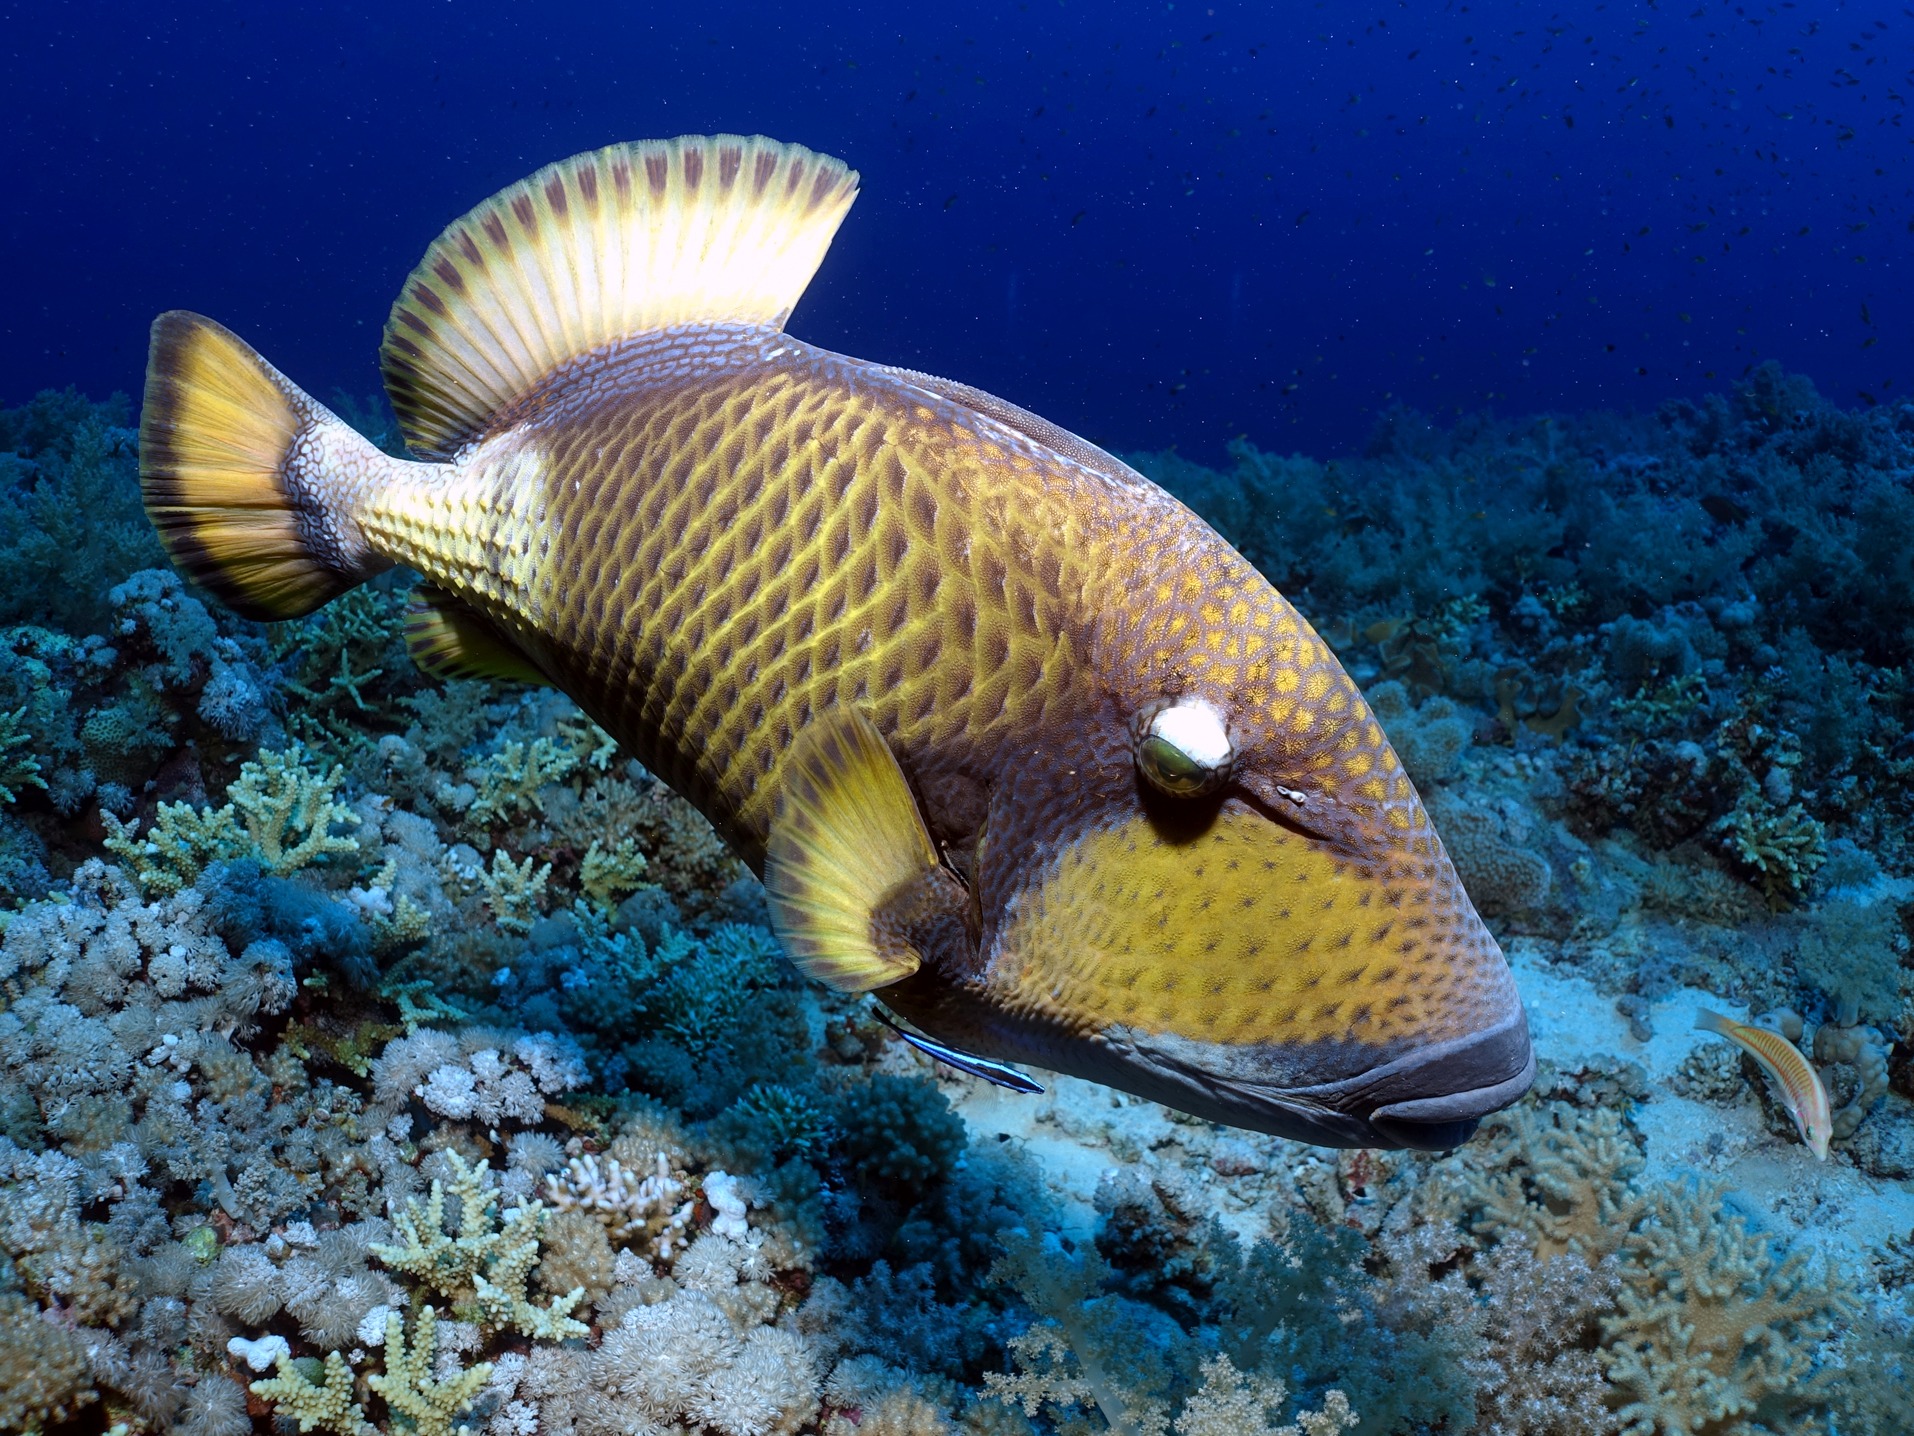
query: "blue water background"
1154, 223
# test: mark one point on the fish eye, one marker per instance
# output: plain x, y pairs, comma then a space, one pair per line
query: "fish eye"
1184, 749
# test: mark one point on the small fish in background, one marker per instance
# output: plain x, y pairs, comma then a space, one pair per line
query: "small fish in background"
1801, 1086
1725, 510
1014, 739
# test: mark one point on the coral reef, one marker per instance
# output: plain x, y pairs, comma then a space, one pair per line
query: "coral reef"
381, 1055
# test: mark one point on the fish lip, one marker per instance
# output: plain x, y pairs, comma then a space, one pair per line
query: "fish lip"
1472, 1076
1429, 1099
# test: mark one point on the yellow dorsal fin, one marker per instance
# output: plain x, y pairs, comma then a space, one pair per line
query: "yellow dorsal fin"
448, 638
595, 249
846, 841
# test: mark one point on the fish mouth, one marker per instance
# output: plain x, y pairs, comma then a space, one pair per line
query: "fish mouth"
1429, 1099
1433, 1098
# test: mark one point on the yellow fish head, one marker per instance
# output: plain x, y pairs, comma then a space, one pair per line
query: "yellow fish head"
1237, 906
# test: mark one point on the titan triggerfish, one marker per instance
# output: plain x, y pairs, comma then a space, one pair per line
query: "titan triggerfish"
1013, 738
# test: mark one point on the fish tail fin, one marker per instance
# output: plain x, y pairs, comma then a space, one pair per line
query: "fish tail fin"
251, 482
1706, 1021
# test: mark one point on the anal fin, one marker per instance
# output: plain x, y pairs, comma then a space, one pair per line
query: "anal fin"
856, 890
448, 638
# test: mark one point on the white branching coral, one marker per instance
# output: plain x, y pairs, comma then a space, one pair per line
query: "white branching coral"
684, 1361
487, 1084
653, 1211
1232, 1404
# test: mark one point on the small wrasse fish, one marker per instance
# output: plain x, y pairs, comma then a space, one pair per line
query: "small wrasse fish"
1013, 738
1801, 1086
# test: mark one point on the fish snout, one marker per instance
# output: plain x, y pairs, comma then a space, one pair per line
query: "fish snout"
1433, 1098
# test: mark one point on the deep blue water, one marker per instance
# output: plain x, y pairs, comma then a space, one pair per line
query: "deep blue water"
1154, 223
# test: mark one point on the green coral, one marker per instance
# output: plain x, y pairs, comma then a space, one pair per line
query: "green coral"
17, 769
289, 811
479, 1265
424, 1404
177, 847
321, 1396
607, 876
512, 890
317, 1395
1781, 848
344, 661
279, 812
510, 780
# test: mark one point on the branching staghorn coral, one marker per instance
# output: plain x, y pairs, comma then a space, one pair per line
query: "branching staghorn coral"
176, 849
608, 875
479, 1263
509, 781
319, 1396
289, 811
512, 890
320, 1401
18, 768
426, 1405
277, 811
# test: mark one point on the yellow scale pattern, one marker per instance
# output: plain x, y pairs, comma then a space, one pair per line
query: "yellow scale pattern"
1311, 951
713, 561
802, 544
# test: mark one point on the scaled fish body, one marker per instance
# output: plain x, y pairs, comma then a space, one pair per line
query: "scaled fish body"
1011, 735
1800, 1084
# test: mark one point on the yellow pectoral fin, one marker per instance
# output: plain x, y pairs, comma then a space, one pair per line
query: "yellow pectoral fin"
448, 638
850, 869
